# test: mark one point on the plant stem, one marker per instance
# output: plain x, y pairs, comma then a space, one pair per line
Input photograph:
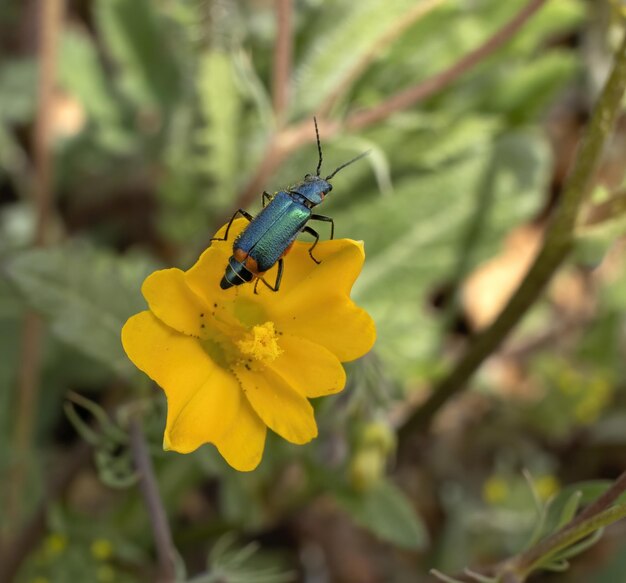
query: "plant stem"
283, 48
50, 19
557, 245
564, 538
166, 552
412, 95
419, 11
291, 138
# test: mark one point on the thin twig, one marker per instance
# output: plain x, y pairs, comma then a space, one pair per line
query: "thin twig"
556, 247
283, 48
166, 553
50, 18
604, 501
518, 566
291, 138
408, 97
419, 11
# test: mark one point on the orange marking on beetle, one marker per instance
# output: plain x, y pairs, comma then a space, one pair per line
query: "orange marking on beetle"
239, 255
251, 265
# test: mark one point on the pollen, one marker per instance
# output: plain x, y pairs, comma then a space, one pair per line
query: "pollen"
261, 343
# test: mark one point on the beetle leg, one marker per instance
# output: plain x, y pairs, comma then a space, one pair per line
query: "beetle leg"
241, 212
267, 196
317, 238
279, 277
327, 220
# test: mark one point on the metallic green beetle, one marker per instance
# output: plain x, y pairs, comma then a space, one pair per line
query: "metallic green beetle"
270, 235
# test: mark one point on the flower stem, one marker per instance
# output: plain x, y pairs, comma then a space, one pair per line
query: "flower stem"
556, 247
50, 19
543, 551
166, 552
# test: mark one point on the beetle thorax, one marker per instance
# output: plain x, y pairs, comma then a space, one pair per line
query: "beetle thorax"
312, 189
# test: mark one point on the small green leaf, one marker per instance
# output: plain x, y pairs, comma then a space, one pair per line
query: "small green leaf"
86, 293
18, 83
569, 509
385, 511
338, 46
221, 105
81, 74
134, 35
562, 505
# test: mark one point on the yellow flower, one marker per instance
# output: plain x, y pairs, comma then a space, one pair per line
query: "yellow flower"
55, 544
233, 363
495, 490
546, 486
101, 549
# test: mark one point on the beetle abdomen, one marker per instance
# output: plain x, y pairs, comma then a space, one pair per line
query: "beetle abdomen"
236, 274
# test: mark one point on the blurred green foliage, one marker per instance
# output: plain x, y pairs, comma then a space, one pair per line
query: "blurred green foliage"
163, 115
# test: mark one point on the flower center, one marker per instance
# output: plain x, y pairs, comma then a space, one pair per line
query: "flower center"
261, 343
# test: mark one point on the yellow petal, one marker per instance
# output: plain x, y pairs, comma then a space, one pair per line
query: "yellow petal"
172, 302
204, 277
166, 356
341, 261
314, 300
282, 408
204, 415
333, 321
202, 398
243, 443
309, 368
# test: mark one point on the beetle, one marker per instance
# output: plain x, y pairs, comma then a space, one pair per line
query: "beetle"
271, 234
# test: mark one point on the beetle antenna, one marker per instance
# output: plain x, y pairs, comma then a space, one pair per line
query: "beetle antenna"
319, 148
347, 164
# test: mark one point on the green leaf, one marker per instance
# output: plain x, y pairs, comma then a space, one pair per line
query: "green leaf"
338, 45
18, 82
526, 94
221, 105
554, 19
385, 511
436, 225
86, 293
562, 504
135, 37
81, 74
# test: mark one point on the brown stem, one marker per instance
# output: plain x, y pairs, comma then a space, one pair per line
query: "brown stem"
291, 138
420, 10
166, 552
603, 502
282, 59
50, 18
516, 566
557, 244
412, 95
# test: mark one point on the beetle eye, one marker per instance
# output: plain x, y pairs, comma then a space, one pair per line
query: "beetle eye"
307, 176
330, 187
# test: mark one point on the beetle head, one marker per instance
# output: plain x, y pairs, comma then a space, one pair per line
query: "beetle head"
313, 189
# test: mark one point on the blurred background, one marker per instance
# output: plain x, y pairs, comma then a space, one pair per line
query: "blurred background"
130, 130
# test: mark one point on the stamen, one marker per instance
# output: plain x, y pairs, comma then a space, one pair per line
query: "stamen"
261, 343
